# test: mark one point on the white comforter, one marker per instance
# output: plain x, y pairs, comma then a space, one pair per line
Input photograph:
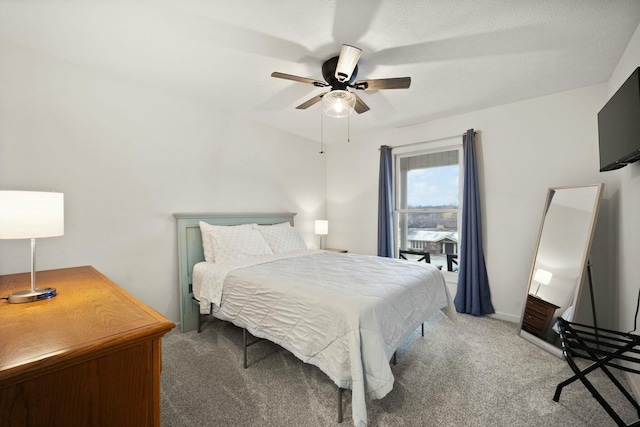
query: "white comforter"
343, 313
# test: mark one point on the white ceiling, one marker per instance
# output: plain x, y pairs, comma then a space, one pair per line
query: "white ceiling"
462, 55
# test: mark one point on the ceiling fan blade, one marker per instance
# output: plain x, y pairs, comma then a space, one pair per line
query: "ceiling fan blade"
378, 84
316, 83
310, 102
360, 106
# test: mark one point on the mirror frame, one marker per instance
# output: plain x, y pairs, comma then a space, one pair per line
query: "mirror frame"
550, 347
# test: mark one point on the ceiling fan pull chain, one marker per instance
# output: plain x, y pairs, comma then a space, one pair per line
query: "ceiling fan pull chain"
321, 133
349, 128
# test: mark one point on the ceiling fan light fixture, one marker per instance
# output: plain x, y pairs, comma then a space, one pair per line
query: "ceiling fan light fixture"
340, 74
349, 56
338, 103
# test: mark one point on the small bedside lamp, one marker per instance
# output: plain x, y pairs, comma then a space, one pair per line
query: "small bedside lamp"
322, 228
31, 215
543, 277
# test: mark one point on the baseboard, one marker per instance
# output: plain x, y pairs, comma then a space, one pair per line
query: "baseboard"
505, 316
451, 279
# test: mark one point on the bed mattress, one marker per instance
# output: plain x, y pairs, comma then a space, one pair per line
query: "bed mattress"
344, 313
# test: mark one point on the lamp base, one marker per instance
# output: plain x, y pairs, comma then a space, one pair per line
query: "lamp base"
30, 296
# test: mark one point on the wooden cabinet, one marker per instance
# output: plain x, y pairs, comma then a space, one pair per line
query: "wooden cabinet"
90, 356
538, 315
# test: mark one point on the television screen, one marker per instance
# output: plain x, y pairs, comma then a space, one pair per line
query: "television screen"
619, 126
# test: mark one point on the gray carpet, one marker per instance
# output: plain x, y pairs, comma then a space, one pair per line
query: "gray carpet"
475, 372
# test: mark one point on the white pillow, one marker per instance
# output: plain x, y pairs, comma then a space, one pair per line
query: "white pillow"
282, 238
237, 242
207, 244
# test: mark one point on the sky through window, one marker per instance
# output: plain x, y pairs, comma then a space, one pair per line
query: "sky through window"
433, 187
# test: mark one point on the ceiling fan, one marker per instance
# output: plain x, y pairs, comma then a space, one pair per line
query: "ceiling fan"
340, 74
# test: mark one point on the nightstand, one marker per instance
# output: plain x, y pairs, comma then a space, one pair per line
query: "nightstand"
538, 315
341, 251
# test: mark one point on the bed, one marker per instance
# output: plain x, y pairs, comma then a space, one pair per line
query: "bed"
344, 313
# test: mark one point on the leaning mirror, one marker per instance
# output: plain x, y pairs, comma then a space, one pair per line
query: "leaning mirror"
559, 263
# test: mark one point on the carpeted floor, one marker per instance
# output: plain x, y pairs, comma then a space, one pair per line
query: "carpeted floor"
474, 372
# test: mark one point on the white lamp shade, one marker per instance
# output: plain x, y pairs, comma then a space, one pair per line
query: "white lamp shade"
322, 227
542, 276
349, 56
31, 214
338, 103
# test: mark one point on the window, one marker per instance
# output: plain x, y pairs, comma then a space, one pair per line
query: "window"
428, 204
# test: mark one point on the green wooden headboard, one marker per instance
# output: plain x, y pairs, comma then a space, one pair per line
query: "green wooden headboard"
190, 251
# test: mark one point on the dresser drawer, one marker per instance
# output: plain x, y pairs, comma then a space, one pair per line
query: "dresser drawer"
537, 306
538, 315
534, 322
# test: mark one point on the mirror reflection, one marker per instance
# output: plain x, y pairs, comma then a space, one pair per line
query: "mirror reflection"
559, 263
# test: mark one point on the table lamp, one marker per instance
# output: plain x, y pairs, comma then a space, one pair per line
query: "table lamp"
31, 215
543, 277
322, 228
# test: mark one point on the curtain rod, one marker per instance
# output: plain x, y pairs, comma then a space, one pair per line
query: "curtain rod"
432, 140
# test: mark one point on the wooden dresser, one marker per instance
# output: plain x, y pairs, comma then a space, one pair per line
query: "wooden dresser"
90, 356
538, 315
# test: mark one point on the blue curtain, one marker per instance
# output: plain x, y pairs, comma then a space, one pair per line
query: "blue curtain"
473, 295
385, 203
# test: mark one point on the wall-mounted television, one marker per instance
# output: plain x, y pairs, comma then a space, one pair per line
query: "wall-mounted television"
619, 126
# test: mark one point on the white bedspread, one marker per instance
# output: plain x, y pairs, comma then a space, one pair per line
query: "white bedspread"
344, 313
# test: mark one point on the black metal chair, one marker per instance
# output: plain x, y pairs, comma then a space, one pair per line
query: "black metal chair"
451, 260
424, 256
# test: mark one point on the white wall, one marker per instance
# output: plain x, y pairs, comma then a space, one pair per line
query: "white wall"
523, 149
625, 224
625, 227
127, 156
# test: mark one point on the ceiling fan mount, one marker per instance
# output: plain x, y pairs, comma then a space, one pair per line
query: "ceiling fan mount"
329, 73
340, 73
